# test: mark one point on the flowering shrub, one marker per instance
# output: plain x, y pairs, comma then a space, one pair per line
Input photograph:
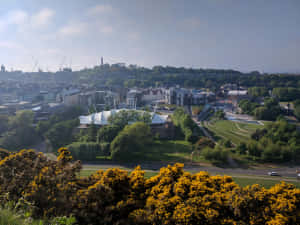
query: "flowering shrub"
54, 189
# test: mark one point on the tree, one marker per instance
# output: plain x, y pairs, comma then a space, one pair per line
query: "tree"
61, 134
258, 91
242, 148
124, 117
297, 108
20, 132
92, 133
107, 133
204, 142
286, 93
133, 138
220, 114
187, 126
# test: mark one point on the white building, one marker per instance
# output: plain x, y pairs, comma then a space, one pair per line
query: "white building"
101, 118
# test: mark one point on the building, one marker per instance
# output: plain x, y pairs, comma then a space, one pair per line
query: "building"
183, 97
160, 124
151, 95
237, 95
134, 98
3, 68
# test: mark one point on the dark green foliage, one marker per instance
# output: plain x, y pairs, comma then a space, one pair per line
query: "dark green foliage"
297, 108
227, 144
258, 91
19, 132
270, 111
247, 106
92, 133
187, 126
69, 113
61, 134
278, 142
88, 151
216, 154
220, 114
286, 93
254, 149
107, 133
242, 148
133, 138
124, 117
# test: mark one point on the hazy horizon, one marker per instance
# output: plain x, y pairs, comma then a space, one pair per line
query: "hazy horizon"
219, 34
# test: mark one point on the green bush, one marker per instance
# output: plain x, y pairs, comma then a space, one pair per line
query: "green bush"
215, 154
88, 151
107, 133
133, 138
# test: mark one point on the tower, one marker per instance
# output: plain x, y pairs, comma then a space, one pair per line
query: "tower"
101, 61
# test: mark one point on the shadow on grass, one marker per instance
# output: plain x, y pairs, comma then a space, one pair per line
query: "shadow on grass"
165, 151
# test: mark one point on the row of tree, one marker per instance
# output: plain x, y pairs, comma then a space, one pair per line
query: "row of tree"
270, 110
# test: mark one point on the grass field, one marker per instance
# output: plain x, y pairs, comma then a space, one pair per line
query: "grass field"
242, 181
234, 131
263, 182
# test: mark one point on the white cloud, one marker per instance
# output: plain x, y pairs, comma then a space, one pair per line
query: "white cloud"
18, 17
42, 18
15, 17
73, 29
99, 9
26, 22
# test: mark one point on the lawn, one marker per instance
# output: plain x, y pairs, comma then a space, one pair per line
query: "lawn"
166, 151
234, 131
263, 182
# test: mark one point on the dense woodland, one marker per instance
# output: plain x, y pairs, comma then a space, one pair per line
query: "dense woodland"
158, 76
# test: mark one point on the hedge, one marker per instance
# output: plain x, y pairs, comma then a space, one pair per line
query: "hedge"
88, 151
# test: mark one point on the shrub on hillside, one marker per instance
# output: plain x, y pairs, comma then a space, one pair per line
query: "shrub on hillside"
88, 151
17, 170
204, 142
116, 197
216, 154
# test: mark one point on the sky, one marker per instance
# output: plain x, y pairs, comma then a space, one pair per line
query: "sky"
261, 35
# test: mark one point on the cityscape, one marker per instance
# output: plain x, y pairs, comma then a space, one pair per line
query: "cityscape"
148, 112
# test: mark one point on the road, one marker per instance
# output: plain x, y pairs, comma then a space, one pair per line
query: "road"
256, 172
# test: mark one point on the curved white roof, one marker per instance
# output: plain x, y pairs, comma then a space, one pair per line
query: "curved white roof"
101, 118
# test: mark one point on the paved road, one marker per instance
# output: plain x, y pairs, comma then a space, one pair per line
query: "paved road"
285, 172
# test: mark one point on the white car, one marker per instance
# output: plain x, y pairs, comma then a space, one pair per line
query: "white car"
273, 173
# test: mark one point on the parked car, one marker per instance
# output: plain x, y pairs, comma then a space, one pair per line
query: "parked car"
272, 173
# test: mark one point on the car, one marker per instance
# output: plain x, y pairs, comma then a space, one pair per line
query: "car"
272, 173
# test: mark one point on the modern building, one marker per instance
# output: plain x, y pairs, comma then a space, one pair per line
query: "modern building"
183, 96
151, 95
134, 98
160, 124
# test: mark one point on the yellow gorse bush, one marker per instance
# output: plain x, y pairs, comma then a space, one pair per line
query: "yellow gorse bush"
173, 196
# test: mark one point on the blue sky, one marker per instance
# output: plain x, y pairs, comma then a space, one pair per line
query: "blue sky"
251, 35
